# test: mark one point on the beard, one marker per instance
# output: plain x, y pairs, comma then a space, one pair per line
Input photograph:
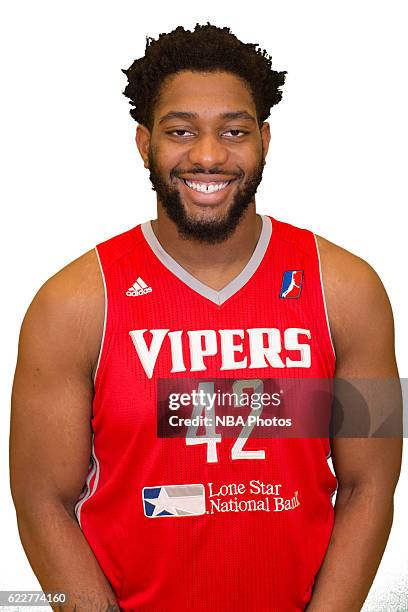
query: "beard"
207, 231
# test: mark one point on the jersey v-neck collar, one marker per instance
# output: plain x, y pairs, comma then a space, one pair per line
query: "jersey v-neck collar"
218, 297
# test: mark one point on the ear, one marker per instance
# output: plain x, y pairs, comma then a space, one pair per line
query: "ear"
266, 136
143, 137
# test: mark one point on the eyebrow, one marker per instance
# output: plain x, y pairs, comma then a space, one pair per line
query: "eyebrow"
187, 115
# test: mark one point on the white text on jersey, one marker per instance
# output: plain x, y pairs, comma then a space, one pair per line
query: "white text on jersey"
203, 343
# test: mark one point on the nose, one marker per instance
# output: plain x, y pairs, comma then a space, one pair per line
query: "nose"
207, 151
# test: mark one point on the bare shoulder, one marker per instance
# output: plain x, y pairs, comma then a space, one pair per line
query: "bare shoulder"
77, 281
68, 310
344, 271
355, 295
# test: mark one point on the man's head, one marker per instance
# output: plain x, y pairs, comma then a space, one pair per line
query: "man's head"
201, 99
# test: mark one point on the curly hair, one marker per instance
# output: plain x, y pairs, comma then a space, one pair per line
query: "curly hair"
207, 48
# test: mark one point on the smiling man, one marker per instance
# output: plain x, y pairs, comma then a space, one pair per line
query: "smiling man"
209, 301
205, 206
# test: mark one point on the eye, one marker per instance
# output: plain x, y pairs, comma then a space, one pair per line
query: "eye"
235, 133
178, 132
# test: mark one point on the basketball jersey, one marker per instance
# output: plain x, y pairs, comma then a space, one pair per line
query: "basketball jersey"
205, 521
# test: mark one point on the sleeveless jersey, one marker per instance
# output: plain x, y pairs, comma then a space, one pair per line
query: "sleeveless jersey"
205, 521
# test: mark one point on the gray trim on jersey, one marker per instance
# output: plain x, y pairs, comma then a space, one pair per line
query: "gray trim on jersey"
324, 296
105, 316
218, 297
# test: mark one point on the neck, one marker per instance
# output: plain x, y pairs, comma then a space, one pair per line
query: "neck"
213, 264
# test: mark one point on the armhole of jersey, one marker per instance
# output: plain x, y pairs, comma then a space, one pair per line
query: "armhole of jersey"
105, 316
324, 297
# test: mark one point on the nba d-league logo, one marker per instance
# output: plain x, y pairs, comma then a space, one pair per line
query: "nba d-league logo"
291, 284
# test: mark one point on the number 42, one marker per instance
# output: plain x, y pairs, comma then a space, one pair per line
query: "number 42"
211, 437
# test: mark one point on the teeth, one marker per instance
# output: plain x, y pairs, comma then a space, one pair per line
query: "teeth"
205, 187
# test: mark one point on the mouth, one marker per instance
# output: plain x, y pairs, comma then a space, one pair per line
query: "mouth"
207, 190
207, 187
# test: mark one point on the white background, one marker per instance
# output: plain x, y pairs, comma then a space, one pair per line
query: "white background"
72, 176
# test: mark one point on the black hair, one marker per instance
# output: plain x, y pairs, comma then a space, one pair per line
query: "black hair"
208, 48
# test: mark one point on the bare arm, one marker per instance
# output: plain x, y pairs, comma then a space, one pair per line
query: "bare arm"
50, 434
367, 468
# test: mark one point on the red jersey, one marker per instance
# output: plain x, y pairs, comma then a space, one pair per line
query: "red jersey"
206, 521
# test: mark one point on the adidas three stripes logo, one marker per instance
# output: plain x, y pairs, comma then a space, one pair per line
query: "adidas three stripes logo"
139, 287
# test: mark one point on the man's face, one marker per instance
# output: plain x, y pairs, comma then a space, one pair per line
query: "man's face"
205, 152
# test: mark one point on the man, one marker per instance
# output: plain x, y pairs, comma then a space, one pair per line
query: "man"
112, 508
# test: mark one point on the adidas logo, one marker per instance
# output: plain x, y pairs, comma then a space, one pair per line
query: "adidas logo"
138, 288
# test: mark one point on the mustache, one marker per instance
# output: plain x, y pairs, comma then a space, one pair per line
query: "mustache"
177, 173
